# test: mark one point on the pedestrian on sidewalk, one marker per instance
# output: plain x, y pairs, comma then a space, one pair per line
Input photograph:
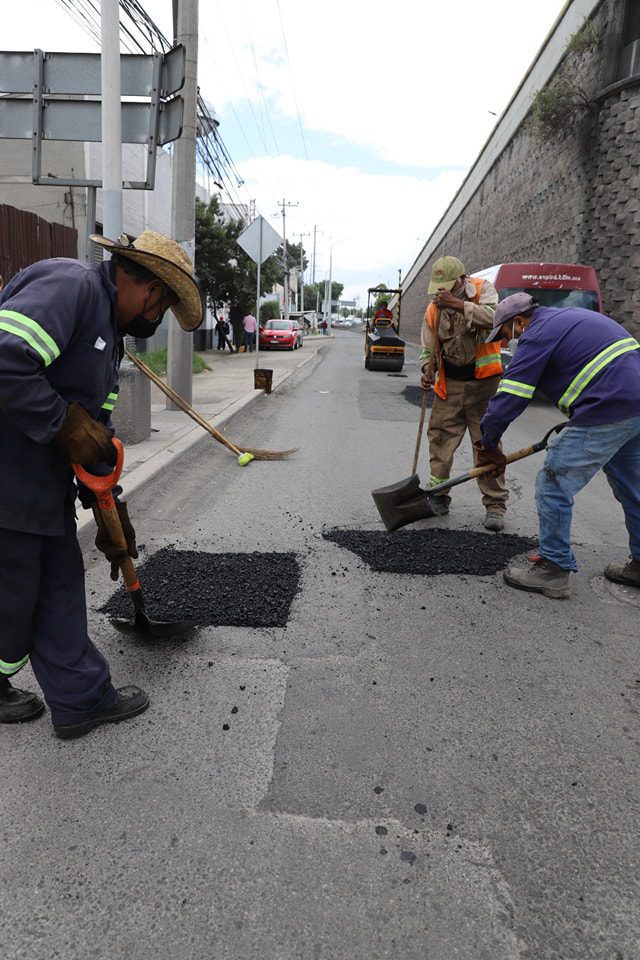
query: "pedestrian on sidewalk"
222, 332
249, 324
464, 371
62, 324
589, 366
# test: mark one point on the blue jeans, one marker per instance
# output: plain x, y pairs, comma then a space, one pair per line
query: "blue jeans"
572, 460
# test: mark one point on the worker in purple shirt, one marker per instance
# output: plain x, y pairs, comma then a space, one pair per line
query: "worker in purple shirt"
589, 366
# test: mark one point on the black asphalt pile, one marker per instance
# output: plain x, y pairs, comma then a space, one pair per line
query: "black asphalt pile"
215, 589
414, 394
433, 552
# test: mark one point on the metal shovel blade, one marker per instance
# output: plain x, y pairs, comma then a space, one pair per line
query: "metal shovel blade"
160, 629
402, 503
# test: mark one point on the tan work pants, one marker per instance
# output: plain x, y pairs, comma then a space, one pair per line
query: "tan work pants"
463, 410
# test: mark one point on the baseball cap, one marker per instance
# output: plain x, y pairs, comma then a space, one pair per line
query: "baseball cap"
512, 306
444, 273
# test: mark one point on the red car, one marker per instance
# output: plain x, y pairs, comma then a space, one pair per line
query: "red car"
280, 333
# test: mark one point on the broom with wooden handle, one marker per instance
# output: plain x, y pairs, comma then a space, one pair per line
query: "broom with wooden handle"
244, 456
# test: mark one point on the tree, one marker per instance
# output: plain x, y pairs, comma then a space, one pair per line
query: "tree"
269, 310
225, 272
314, 294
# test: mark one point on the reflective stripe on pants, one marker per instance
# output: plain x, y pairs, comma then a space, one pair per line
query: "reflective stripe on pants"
43, 616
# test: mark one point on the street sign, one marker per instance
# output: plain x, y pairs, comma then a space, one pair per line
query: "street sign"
259, 240
82, 120
57, 96
80, 73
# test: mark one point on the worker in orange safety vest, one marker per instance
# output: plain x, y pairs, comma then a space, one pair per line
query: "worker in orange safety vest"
464, 372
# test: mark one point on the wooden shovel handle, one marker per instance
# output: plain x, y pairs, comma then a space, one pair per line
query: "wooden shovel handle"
114, 527
510, 458
425, 398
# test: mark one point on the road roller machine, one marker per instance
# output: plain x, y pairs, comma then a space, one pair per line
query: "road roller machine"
384, 349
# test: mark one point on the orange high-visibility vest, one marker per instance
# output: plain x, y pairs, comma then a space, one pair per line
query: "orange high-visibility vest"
488, 363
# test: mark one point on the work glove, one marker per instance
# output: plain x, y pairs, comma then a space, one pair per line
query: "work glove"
426, 380
485, 457
105, 544
84, 439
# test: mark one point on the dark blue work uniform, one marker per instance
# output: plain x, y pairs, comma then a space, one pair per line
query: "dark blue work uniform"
58, 343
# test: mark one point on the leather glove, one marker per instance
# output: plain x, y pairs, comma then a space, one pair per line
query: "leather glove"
84, 439
485, 457
105, 544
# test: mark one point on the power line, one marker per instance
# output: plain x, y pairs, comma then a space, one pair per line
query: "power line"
293, 86
139, 33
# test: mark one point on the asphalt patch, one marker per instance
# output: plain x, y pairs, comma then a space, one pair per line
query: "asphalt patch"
214, 589
414, 395
433, 552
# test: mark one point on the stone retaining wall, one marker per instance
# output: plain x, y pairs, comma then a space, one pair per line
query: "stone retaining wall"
572, 198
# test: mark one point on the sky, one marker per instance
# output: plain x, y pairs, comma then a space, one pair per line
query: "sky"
364, 117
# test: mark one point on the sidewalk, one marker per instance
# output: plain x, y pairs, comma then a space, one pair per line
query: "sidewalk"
218, 394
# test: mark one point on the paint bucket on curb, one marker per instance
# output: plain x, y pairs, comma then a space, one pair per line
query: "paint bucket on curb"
262, 380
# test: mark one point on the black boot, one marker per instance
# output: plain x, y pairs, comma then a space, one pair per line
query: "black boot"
129, 702
17, 705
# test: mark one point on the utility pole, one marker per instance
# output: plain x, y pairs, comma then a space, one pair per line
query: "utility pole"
183, 226
301, 304
330, 288
111, 121
313, 265
286, 265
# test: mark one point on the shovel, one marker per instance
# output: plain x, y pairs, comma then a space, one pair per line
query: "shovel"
102, 487
405, 502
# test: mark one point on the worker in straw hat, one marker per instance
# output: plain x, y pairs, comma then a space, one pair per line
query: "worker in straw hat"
61, 327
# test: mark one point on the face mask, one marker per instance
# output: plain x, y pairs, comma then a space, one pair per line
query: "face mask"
141, 327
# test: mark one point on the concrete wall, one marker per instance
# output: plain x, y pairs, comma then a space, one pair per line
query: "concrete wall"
573, 198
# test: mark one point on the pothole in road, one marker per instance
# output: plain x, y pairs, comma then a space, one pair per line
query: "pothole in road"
433, 552
414, 395
214, 589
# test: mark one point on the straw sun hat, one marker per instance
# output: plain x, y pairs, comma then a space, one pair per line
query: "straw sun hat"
167, 260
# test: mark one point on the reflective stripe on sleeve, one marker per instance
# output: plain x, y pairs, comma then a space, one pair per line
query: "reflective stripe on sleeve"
524, 390
594, 366
30, 331
110, 402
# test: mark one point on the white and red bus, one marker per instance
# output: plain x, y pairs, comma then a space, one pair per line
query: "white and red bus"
552, 284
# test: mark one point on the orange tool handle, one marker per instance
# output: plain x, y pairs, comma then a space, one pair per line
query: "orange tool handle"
102, 487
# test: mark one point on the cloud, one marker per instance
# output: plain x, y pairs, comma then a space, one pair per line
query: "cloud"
375, 222
376, 87
414, 82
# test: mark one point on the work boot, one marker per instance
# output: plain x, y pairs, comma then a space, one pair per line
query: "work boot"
543, 576
129, 702
494, 520
439, 505
18, 705
629, 574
